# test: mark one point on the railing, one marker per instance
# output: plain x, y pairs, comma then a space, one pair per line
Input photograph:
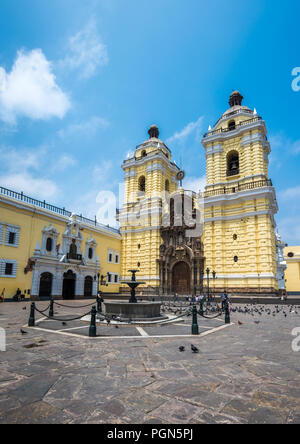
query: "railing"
237, 188
234, 172
61, 211
226, 130
75, 257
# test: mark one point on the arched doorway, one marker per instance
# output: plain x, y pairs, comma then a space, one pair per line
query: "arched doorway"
46, 285
88, 286
181, 278
69, 285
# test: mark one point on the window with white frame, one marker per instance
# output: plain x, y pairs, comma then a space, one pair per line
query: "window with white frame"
8, 268
109, 278
110, 256
12, 235
116, 278
1, 233
117, 257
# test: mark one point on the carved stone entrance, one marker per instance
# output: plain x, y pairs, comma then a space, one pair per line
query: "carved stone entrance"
181, 276
181, 259
69, 285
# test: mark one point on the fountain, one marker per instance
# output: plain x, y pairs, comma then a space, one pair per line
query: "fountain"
134, 310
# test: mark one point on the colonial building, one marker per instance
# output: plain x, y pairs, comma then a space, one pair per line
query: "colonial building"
47, 251
177, 239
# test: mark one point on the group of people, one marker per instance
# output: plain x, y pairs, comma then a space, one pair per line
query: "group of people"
17, 297
197, 299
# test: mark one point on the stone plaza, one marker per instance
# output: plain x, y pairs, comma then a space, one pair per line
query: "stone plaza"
245, 372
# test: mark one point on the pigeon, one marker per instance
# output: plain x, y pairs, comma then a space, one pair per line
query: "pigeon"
240, 323
23, 332
181, 348
24, 308
64, 323
257, 322
116, 326
194, 349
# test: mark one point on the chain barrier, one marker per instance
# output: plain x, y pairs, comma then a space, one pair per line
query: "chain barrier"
76, 306
63, 320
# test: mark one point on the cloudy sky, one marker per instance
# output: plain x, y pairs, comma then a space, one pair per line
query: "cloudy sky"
81, 82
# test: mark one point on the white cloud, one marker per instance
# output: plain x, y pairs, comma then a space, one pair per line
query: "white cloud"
30, 89
32, 186
195, 183
290, 193
86, 51
63, 162
190, 128
19, 172
86, 128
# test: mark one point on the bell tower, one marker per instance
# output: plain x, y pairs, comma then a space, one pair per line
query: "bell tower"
240, 202
149, 175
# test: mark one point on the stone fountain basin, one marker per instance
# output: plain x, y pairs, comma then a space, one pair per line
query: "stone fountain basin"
137, 312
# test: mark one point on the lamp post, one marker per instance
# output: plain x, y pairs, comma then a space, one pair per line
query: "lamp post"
207, 273
214, 274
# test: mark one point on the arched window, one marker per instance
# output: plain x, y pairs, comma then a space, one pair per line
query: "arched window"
49, 244
91, 253
167, 186
231, 125
233, 164
142, 184
144, 153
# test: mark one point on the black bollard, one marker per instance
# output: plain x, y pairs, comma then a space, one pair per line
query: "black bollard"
227, 314
93, 328
195, 328
201, 312
51, 311
31, 322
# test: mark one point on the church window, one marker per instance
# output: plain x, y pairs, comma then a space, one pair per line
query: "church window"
291, 254
231, 125
91, 253
235, 237
167, 186
236, 259
49, 244
142, 184
144, 153
233, 163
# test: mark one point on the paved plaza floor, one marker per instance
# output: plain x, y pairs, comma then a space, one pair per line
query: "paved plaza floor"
246, 372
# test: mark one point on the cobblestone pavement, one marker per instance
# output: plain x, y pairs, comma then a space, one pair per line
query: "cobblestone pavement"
243, 374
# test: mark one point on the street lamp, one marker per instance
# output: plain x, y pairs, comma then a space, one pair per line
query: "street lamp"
207, 273
214, 274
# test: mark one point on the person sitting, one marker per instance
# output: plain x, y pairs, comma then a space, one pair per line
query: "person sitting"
224, 299
18, 296
2, 295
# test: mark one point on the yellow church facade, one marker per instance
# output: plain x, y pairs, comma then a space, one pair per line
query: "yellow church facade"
230, 235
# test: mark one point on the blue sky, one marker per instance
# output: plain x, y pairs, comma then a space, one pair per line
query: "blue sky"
81, 82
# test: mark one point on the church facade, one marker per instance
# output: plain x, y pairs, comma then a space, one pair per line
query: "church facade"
180, 241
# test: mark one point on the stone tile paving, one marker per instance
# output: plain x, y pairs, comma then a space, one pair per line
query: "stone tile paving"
243, 374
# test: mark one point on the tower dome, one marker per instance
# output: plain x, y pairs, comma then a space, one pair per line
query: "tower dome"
153, 132
235, 99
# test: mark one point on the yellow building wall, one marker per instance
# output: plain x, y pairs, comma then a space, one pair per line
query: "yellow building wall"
292, 273
31, 224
